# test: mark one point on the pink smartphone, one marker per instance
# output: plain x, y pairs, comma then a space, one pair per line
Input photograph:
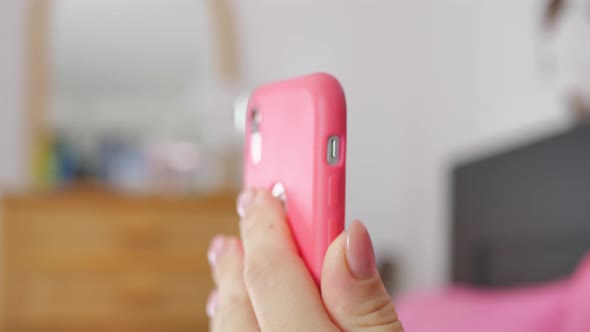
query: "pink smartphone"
295, 146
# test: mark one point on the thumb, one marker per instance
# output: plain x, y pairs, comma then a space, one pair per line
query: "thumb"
352, 290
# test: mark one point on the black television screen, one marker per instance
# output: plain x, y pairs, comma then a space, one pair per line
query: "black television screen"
523, 216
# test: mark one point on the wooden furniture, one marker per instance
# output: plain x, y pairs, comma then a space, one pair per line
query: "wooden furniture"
95, 261
37, 94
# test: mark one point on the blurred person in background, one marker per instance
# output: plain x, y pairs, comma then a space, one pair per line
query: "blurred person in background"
567, 27
263, 285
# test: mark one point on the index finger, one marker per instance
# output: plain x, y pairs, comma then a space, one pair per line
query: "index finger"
283, 293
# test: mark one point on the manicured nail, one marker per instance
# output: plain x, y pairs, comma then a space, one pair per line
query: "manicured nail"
359, 251
245, 200
212, 303
233, 246
216, 247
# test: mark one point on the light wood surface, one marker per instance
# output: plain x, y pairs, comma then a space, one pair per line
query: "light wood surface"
95, 261
37, 91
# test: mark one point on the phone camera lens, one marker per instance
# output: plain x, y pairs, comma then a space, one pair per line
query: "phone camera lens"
255, 114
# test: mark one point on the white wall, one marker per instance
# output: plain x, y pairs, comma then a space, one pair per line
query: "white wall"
143, 66
425, 80
12, 49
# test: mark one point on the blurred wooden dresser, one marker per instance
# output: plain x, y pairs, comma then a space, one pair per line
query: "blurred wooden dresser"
90, 261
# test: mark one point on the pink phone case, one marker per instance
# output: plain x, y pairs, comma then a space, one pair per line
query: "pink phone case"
297, 119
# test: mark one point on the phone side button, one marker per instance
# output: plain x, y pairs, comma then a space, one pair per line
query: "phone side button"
334, 191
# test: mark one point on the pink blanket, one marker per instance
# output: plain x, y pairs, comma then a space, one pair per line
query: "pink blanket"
562, 306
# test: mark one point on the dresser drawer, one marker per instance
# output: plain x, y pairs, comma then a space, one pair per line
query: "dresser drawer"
109, 263
57, 294
188, 233
97, 231
140, 299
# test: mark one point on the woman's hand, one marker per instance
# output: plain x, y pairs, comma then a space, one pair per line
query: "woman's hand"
263, 285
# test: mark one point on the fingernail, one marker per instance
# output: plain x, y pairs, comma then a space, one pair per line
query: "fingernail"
212, 304
245, 200
359, 251
233, 246
216, 247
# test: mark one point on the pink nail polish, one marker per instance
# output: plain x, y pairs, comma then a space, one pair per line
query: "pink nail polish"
215, 249
244, 202
359, 251
212, 304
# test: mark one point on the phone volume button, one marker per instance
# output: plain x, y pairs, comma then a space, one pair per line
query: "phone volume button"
335, 191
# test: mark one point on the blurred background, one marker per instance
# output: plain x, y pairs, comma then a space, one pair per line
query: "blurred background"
121, 156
